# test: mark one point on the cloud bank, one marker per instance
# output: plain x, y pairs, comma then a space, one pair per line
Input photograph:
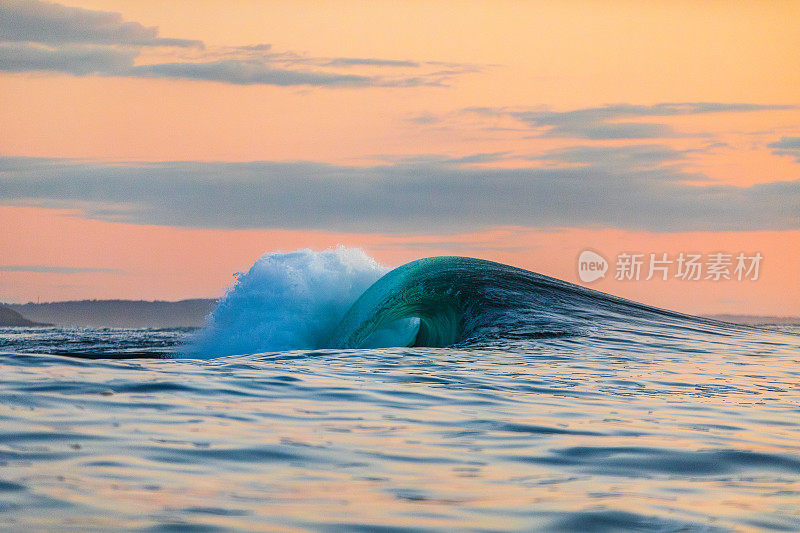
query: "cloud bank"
55, 24
637, 188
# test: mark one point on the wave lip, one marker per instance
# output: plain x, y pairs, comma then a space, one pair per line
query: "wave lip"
456, 300
468, 301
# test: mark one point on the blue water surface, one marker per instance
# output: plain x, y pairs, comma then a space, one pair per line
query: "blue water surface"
674, 427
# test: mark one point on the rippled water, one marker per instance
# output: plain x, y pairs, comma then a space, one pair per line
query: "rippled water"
565, 434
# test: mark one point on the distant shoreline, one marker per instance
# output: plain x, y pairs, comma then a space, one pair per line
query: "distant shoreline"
192, 313
118, 313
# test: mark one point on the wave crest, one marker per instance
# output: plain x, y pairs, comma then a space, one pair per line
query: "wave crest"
342, 298
286, 301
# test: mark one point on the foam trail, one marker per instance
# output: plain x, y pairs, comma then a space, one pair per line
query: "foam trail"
288, 301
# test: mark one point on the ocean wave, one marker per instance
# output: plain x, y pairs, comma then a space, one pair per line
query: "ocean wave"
341, 298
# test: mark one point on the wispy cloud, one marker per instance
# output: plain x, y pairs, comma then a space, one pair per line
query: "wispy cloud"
247, 72
38, 36
638, 187
438, 159
371, 62
615, 121
637, 158
425, 119
48, 269
787, 146
70, 59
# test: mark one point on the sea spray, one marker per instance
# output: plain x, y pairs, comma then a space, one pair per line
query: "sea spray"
286, 301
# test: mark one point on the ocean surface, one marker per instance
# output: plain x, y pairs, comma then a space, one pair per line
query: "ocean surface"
450, 394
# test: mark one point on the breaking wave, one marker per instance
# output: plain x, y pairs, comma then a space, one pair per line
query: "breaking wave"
342, 298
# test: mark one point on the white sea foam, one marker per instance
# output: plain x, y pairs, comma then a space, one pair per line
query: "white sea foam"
286, 301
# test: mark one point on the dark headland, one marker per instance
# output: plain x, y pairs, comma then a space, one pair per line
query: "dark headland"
11, 318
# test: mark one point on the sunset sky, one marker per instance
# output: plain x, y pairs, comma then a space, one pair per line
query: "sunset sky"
150, 149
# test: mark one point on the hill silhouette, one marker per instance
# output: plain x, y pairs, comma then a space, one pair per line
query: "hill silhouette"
11, 318
119, 313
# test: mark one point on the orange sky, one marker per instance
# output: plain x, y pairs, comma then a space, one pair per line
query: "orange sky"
506, 57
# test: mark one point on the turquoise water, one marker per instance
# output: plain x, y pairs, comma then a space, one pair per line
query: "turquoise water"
591, 414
